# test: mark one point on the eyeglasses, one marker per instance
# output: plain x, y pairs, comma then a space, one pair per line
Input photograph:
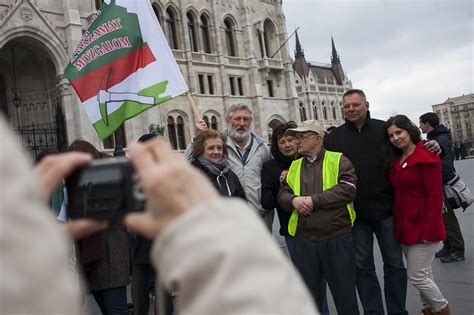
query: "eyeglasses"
302, 136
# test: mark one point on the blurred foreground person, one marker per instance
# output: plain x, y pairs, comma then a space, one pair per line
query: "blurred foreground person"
104, 257
34, 267
415, 175
210, 156
214, 269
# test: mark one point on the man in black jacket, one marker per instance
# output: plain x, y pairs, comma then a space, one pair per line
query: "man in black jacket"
360, 139
453, 249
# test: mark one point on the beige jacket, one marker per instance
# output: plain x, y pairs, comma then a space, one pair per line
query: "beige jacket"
34, 273
216, 270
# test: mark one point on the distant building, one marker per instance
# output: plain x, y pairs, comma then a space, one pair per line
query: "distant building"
320, 88
457, 114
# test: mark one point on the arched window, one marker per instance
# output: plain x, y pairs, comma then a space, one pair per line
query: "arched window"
206, 120
111, 141
98, 3
268, 37
230, 37
333, 112
180, 133
192, 31
157, 11
206, 34
170, 18
3, 97
214, 125
302, 112
325, 113
176, 132
315, 111
172, 133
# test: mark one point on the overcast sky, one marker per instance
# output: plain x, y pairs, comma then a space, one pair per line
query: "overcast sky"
406, 55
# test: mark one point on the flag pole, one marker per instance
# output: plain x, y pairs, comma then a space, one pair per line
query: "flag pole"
193, 106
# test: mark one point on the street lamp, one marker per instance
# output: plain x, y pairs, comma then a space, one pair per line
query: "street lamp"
16, 100
17, 103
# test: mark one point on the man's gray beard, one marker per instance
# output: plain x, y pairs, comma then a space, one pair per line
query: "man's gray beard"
239, 136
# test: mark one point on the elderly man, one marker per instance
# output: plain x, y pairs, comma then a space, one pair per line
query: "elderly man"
247, 152
318, 190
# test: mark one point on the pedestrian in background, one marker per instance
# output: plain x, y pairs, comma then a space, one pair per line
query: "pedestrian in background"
415, 175
453, 248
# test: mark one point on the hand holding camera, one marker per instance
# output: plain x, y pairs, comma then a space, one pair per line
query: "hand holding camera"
50, 171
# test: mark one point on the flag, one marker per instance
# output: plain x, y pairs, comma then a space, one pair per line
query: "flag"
123, 65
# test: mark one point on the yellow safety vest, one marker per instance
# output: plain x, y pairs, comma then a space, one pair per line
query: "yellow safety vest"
330, 179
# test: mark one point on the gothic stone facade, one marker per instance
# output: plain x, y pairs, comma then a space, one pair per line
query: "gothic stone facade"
229, 52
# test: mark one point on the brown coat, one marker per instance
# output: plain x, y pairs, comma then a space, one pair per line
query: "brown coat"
329, 218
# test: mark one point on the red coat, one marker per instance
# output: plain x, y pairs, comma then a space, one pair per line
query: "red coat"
418, 204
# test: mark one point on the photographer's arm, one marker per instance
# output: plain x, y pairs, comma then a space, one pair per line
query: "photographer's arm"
197, 249
36, 276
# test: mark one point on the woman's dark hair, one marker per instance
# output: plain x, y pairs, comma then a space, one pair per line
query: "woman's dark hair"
279, 132
200, 142
389, 151
80, 145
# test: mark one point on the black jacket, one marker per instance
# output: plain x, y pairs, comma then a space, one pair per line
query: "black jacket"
374, 196
443, 136
235, 187
271, 171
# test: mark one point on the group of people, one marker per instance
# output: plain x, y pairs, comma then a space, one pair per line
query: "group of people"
460, 151
332, 191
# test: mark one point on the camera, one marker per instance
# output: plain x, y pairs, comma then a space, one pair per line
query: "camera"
105, 189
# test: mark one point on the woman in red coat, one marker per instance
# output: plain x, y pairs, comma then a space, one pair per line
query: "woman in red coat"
415, 175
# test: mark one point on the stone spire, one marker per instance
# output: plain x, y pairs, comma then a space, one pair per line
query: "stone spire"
336, 64
335, 56
298, 51
300, 65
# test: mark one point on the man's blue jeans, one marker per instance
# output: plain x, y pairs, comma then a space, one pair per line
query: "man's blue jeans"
395, 273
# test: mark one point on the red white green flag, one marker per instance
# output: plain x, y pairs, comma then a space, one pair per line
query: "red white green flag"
123, 65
